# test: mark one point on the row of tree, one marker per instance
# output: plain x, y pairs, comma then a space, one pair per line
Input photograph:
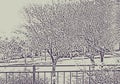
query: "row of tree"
61, 28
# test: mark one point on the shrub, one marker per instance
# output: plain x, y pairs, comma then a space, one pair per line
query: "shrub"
22, 79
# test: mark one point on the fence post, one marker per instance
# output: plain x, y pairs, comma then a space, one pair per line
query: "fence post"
114, 74
70, 77
76, 77
6, 77
34, 70
83, 78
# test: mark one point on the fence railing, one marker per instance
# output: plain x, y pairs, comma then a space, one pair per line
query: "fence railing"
86, 74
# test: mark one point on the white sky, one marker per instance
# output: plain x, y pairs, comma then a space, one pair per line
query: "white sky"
11, 14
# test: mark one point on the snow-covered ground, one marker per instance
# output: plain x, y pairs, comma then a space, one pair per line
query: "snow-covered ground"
109, 59
64, 61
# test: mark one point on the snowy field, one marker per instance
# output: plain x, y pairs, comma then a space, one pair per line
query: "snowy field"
64, 61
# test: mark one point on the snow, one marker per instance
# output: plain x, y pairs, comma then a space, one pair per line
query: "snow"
64, 61
109, 59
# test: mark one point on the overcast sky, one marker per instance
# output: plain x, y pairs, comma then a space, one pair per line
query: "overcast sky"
11, 15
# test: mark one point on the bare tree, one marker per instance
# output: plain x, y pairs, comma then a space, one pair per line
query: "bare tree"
62, 28
98, 33
49, 28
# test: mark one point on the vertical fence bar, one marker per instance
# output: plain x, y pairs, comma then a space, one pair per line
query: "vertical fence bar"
70, 77
76, 77
19, 78
13, 77
64, 77
44, 77
26, 78
51, 77
57, 77
38, 77
34, 70
89, 74
114, 74
83, 78
6, 77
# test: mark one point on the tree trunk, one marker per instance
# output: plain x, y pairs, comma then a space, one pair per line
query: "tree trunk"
53, 73
54, 61
102, 56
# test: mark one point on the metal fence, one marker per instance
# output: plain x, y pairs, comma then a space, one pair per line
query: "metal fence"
86, 74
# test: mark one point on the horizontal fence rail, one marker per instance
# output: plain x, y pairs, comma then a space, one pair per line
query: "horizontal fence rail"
57, 65
108, 74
